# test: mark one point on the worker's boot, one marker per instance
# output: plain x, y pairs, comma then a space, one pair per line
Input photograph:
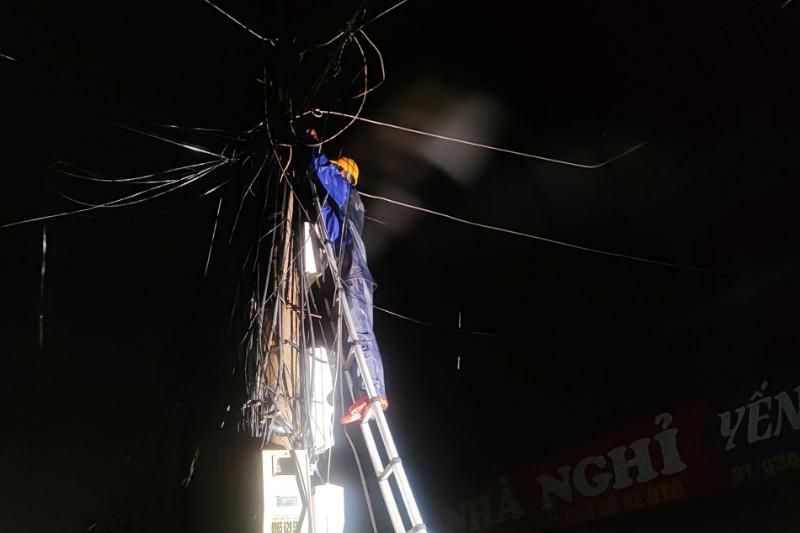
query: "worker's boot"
359, 408
367, 412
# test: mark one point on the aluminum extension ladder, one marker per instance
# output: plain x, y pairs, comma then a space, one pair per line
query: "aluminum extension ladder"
394, 466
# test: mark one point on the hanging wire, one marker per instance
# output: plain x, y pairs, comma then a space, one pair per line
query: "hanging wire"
247, 191
213, 234
161, 186
257, 320
739, 16
241, 25
363, 95
68, 169
589, 166
382, 13
436, 326
131, 199
550, 241
770, 17
41, 285
370, 21
380, 59
187, 146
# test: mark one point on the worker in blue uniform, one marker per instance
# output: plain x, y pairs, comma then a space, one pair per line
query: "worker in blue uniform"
343, 214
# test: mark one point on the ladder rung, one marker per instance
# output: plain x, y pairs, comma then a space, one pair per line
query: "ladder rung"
389, 470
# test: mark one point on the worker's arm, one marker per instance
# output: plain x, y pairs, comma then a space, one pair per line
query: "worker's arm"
330, 177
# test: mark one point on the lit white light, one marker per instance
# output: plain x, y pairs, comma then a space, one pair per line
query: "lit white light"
310, 252
321, 416
328, 504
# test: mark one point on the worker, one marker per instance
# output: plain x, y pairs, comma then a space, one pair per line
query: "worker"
343, 214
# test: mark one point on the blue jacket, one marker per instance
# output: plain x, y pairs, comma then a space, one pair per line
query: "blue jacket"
342, 203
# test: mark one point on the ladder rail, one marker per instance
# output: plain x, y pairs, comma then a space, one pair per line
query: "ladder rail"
383, 484
396, 463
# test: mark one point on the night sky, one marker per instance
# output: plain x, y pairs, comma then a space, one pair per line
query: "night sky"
101, 422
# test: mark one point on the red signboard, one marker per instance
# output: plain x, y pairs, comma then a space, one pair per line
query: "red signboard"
699, 448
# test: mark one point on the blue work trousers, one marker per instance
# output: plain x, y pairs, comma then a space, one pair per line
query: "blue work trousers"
359, 298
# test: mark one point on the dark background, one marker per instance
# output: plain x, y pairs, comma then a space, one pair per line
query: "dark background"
102, 422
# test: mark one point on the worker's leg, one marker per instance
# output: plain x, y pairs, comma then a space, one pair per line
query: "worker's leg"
359, 299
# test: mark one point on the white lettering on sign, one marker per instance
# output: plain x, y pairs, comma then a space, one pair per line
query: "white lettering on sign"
599, 483
765, 416
630, 464
285, 526
640, 460
509, 507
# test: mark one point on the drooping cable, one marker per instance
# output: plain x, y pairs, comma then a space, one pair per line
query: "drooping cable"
41, 286
435, 326
241, 25
549, 240
587, 166
364, 25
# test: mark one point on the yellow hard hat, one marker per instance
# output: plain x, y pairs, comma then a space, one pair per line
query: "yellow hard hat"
348, 168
